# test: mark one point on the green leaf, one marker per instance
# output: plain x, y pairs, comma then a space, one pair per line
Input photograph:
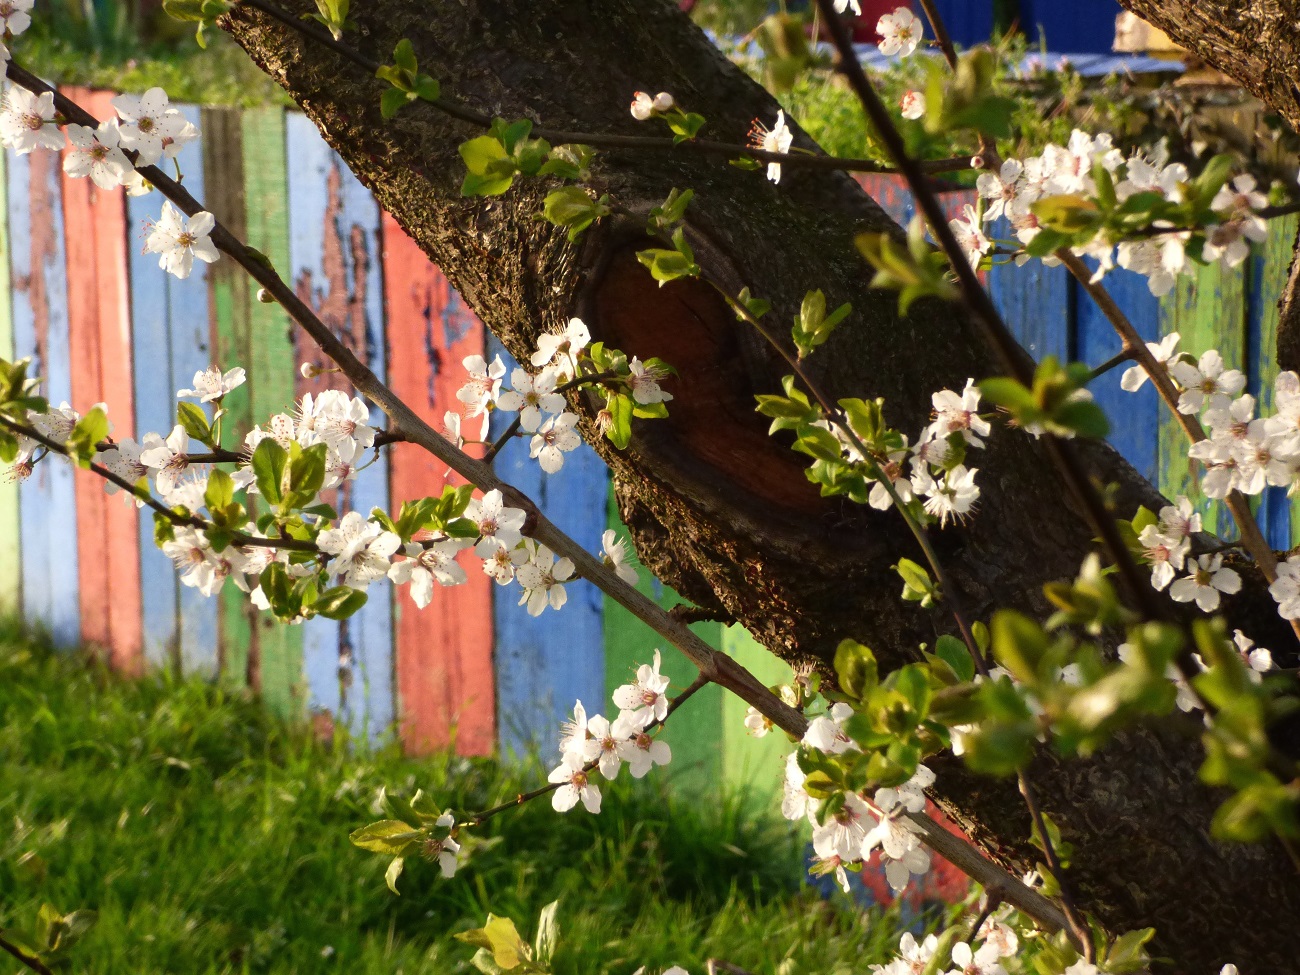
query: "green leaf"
339, 603
954, 653
491, 171
307, 472
390, 836
620, 408
86, 435
574, 207
220, 491
393, 872
499, 937
392, 101
855, 666
548, 933
268, 463
195, 421
404, 56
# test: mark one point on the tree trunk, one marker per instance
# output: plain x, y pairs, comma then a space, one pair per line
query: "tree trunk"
719, 509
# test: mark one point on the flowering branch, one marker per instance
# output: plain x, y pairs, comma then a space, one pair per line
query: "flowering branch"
606, 141
479, 818
189, 521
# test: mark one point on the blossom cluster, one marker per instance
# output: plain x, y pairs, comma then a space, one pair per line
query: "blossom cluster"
352, 550
1244, 451
544, 415
595, 742
146, 126
1069, 171
996, 940
938, 478
852, 832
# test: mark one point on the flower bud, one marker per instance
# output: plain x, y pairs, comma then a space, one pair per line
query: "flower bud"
643, 106
663, 102
309, 371
265, 297
976, 162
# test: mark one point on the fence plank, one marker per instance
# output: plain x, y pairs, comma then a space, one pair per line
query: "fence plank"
1132, 416
1268, 274
1034, 301
277, 666
545, 663
10, 529
334, 260
228, 311
444, 652
108, 556
753, 767
40, 317
171, 341
695, 732
1208, 309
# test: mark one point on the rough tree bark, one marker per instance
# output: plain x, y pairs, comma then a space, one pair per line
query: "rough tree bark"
719, 509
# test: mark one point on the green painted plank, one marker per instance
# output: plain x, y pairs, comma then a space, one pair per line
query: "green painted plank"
1208, 309
228, 298
271, 364
695, 731
10, 562
753, 767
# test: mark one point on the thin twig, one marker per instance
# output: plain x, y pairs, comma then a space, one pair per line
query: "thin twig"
35, 964
1077, 926
1124, 355
598, 140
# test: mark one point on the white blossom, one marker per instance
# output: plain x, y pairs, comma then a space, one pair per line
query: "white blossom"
958, 412
95, 153
210, 384
1207, 578
644, 699
531, 397
644, 383
27, 121
776, 139
199, 566
900, 32
1206, 383
498, 524
169, 458
1285, 590
1135, 376
426, 564
826, 732
639, 749
362, 549
542, 578
900, 849
15, 16
951, 496
614, 555
178, 240
483, 385
564, 346
553, 440
575, 785
970, 235
151, 127
844, 831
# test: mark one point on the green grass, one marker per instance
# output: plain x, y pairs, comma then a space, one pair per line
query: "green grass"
212, 838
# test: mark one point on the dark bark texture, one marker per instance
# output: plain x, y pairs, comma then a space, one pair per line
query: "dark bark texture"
719, 509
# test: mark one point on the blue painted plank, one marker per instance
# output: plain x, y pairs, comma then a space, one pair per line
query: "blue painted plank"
1071, 26
1034, 301
969, 22
40, 327
189, 322
170, 335
545, 663
1134, 417
349, 666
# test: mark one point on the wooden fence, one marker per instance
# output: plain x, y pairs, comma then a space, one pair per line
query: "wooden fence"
472, 669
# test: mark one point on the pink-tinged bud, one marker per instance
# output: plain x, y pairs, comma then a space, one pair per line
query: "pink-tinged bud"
643, 106
976, 162
663, 102
912, 104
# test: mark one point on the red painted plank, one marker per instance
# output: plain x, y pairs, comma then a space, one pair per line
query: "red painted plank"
444, 652
99, 320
